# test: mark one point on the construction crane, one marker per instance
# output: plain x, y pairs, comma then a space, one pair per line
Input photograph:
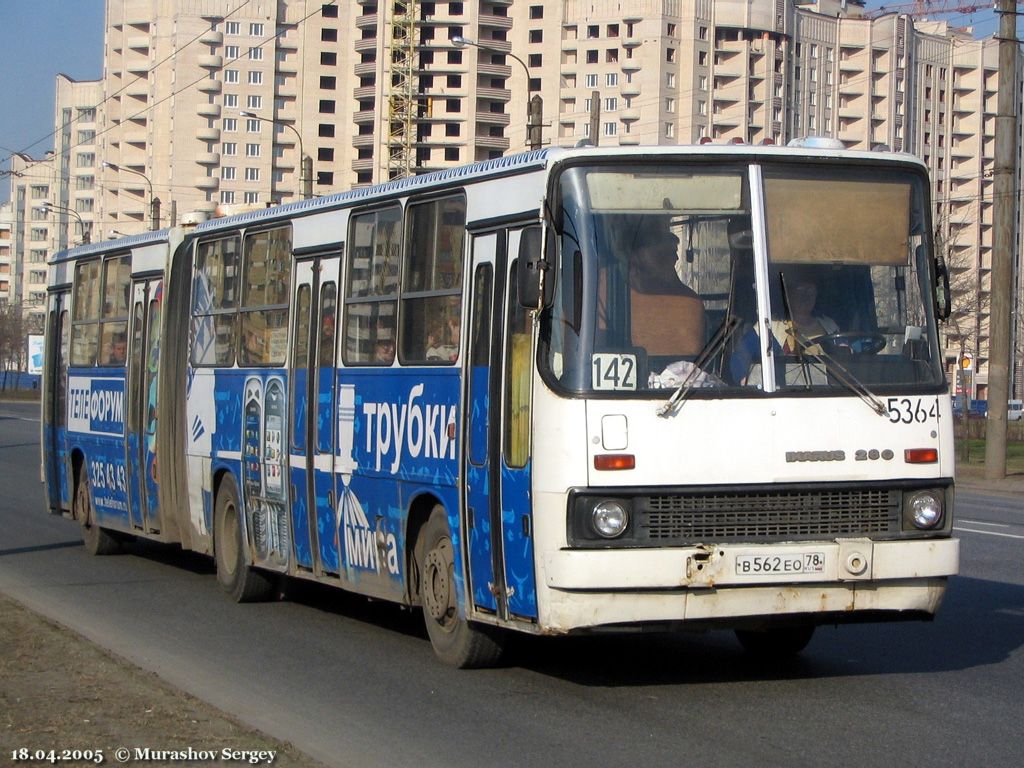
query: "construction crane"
924, 8
401, 85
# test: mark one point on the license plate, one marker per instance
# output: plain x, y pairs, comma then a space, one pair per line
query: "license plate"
780, 565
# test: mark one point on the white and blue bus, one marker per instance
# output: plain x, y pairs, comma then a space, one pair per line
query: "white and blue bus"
570, 390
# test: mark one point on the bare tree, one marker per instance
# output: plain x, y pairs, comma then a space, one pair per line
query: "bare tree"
13, 337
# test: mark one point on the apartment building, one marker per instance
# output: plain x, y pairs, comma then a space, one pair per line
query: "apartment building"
26, 238
213, 103
73, 190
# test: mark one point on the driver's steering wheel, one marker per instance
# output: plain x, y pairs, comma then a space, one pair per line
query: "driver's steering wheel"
852, 343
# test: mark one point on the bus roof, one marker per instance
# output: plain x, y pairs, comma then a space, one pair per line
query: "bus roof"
537, 160
105, 246
523, 162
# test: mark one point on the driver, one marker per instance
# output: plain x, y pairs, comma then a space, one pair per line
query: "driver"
802, 291
803, 323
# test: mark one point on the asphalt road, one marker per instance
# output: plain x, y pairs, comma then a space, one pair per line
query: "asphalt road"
353, 683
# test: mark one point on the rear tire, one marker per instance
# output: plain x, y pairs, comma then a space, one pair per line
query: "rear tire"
777, 642
98, 541
456, 641
240, 580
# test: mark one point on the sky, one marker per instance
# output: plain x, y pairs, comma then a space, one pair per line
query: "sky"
44, 37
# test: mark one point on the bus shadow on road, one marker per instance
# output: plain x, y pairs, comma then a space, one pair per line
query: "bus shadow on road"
981, 623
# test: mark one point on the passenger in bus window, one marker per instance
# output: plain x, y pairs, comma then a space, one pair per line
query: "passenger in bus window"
443, 336
384, 351
117, 349
667, 316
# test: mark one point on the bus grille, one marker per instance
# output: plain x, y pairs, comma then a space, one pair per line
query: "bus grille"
786, 515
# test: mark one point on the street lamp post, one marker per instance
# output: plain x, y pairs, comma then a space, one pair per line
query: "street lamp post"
305, 162
154, 202
46, 207
534, 104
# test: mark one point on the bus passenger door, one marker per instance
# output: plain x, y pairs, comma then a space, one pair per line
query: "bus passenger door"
141, 392
312, 396
55, 387
497, 461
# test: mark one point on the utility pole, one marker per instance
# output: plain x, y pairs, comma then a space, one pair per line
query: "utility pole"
595, 117
1003, 244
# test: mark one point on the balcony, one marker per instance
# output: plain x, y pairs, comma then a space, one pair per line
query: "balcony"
138, 42
366, 92
211, 37
210, 61
365, 68
205, 183
628, 140
363, 140
494, 70
492, 142
629, 115
209, 86
208, 158
367, 21
632, 41
365, 44
497, 22
208, 110
136, 137
493, 118
363, 164
364, 116
138, 67
494, 94
630, 65
629, 89
208, 134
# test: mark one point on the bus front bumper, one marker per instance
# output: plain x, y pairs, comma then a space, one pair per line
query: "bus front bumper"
834, 579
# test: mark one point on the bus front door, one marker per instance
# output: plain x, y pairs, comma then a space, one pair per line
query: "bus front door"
141, 389
499, 519
312, 405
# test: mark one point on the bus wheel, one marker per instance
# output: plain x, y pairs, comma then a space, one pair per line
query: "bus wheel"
457, 642
244, 583
777, 642
98, 541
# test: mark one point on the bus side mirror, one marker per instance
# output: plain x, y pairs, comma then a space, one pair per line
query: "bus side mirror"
535, 276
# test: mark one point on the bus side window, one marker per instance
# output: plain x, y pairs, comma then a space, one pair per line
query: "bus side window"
114, 324
215, 302
371, 292
86, 314
432, 282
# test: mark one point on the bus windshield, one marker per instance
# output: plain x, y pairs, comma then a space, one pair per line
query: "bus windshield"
663, 281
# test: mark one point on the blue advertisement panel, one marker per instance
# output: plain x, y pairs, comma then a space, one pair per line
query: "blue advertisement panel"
95, 424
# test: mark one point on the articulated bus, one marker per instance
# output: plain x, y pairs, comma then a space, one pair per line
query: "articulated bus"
564, 391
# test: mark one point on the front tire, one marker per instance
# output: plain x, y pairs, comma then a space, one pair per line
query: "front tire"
98, 541
456, 641
240, 580
776, 642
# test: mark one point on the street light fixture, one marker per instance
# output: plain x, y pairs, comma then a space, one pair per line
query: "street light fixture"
534, 105
305, 162
154, 202
47, 206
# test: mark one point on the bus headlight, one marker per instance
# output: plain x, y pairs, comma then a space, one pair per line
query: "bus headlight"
609, 519
924, 509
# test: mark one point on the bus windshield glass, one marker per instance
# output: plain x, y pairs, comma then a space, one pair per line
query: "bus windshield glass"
658, 282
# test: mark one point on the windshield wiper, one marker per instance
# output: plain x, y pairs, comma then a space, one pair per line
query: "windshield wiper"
689, 382
810, 348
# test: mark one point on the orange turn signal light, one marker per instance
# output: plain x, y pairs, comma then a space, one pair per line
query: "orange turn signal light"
615, 461
921, 455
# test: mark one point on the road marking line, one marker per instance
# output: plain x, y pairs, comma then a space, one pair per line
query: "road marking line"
989, 533
982, 522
